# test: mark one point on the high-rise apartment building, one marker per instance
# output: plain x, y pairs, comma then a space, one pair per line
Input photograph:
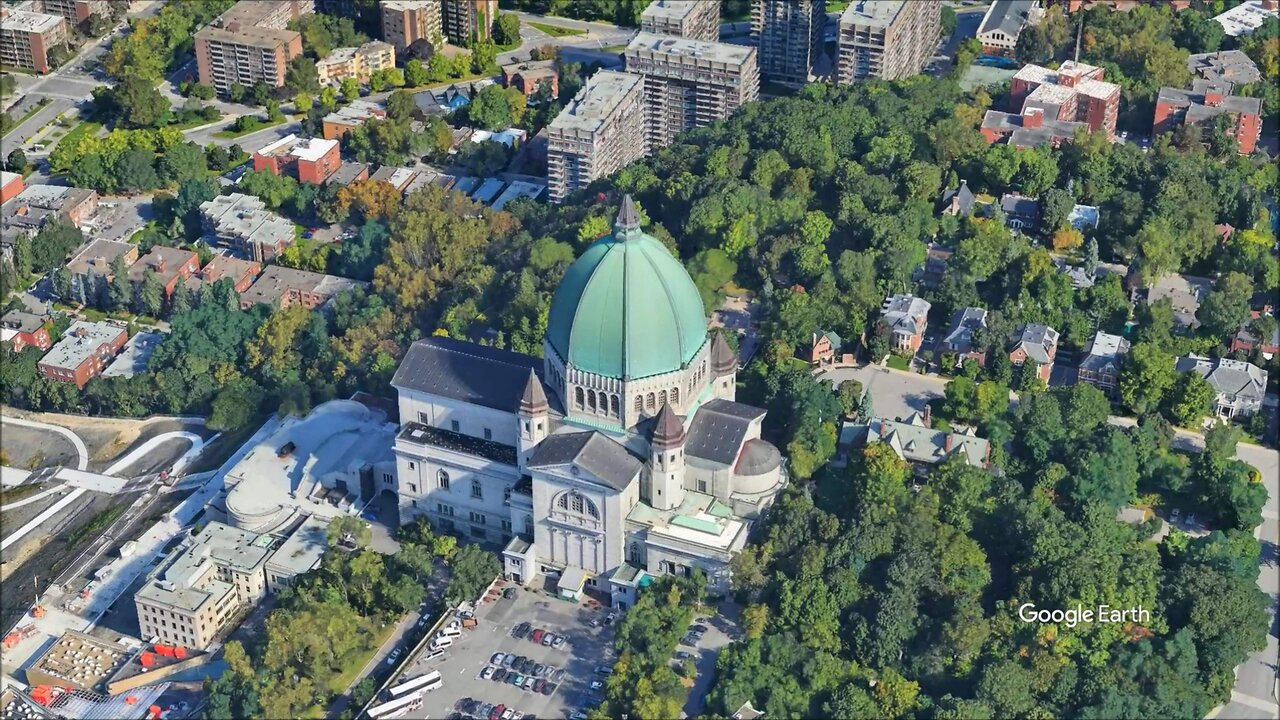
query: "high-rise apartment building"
887, 39
788, 34
75, 11
466, 20
249, 43
695, 19
26, 38
405, 22
598, 133
690, 83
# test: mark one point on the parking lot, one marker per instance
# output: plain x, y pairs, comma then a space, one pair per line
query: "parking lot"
585, 649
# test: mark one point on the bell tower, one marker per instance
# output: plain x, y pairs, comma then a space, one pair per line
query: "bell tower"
666, 461
534, 418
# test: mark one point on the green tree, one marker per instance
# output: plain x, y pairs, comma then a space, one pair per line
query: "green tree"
121, 293
506, 29
16, 162
471, 571
401, 106
141, 105
151, 294
349, 529
302, 102
415, 73
184, 161
1146, 375
235, 405
1227, 306
1191, 400
134, 172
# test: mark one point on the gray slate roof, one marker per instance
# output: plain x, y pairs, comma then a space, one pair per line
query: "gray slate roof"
718, 430
1037, 340
1008, 16
902, 311
915, 443
476, 374
964, 198
963, 322
1020, 206
1232, 66
1103, 350
593, 452
1228, 377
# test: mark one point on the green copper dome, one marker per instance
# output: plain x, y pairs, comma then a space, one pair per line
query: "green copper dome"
627, 309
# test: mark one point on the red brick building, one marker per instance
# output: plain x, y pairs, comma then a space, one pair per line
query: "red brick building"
1203, 105
526, 77
83, 352
1074, 92
241, 272
10, 185
171, 264
306, 160
21, 330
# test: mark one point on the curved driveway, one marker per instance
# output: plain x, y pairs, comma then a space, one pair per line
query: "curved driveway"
197, 444
82, 451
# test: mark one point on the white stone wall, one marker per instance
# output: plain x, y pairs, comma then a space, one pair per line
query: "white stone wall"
420, 492
472, 420
568, 538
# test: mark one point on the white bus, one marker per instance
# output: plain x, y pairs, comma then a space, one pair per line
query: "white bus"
396, 708
418, 683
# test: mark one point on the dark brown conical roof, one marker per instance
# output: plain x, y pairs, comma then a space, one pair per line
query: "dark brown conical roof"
723, 359
534, 400
628, 215
668, 431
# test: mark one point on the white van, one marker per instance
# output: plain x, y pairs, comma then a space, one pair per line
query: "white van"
450, 632
441, 643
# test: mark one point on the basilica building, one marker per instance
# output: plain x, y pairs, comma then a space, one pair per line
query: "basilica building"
619, 454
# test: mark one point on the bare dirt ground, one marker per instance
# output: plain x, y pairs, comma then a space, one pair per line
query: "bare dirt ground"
106, 438
32, 448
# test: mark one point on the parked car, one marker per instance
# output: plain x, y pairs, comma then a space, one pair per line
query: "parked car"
548, 638
558, 676
500, 674
509, 593
528, 683
689, 640
394, 656
508, 714
497, 659
537, 635
487, 672
516, 679
682, 655
485, 709
496, 713
699, 629
538, 669
558, 642
509, 661
604, 670
520, 631
597, 686
549, 688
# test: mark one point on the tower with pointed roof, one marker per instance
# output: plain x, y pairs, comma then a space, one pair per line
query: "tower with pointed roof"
666, 461
534, 415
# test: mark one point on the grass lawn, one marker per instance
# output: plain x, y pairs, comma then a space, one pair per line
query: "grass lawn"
613, 48
556, 30
87, 127
837, 6
96, 315
255, 127
338, 684
899, 363
194, 122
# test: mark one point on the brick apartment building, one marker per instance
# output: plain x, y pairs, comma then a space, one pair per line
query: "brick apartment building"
889, 39
788, 37
349, 117
21, 330
76, 11
241, 272
690, 83
528, 76
282, 286
90, 268
172, 265
1074, 92
405, 22
598, 133
310, 160
1203, 105
250, 42
356, 62
693, 19
83, 352
27, 37
243, 223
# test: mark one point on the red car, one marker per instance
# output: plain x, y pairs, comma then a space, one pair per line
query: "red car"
496, 713
537, 636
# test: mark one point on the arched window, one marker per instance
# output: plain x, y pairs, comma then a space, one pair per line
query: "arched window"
477, 491
563, 502
639, 403
650, 400
633, 553
614, 406
591, 400
578, 397
675, 396
662, 398
577, 503
442, 478
528, 525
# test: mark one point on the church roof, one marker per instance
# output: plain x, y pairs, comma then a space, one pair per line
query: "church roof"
591, 451
668, 431
476, 374
758, 457
719, 429
626, 308
723, 359
534, 399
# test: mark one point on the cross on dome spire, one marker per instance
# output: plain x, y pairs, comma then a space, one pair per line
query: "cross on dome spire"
628, 215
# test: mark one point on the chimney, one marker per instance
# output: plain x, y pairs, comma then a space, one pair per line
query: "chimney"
160, 263
884, 429
1033, 118
946, 445
928, 415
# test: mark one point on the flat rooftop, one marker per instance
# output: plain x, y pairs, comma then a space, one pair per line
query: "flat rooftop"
355, 113
81, 341
1244, 18
186, 584
877, 13
30, 22
273, 482
689, 48
310, 149
80, 660
701, 519
133, 359
597, 100
305, 546
670, 9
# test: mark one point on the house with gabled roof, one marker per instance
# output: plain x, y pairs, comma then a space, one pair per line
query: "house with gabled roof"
1036, 344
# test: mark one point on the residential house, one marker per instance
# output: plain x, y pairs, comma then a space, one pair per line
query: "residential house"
83, 352
958, 201
287, 286
1036, 344
1021, 213
21, 330
397, 177
823, 349
170, 264
904, 318
90, 267
1250, 339
1239, 387
1100, 366
241, 272
310, 160
347, 173
1185, 293
959, 341
929, 275
916, 442
1083, 218
444, 100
